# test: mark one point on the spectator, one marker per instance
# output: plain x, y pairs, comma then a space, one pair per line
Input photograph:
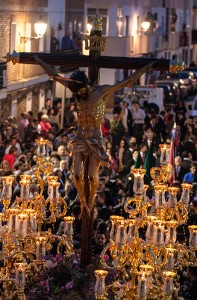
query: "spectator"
22, 126
47, 106
68, 43
2, 147
64, 169
70, 116
100, 242
105, 127
14, 143
45, 125
4, 166
11, 156
192, 217
120, 154
179, 170
186, 160
126, 117
189, 177
54, 41
55, 159
117, 130
53, 119
112, 162
138, 115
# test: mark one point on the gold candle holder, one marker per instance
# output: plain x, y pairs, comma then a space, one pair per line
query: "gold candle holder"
146, 186
121, 234
168, 277
100, 291
156, 175
41, 149
158, 236
193, 237
68, 227
40, 247
150, 228
6, 191
12, 215
115, 220
185, 196
160, 201
170, 258
31, 221
165, 152
20, 268
21, 225
138, 185
142, 286
172, 199
170, 236
53, 191
24, 191
131, 228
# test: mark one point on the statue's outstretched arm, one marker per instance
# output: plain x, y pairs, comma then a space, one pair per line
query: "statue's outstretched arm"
129, 80
51, 71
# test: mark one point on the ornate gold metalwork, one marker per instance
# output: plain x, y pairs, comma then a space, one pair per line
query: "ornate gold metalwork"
14, 57
97, 23
95, 42
24, 243
147, 267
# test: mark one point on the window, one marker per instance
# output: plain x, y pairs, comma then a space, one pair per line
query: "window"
126, 25
92, 12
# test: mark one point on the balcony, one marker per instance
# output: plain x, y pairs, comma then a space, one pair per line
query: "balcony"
118, 46
194, 36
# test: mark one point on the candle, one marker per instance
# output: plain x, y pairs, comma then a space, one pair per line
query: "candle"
20, 275
138, 185
100, 283
168, 283
142, 287
193, 237
21, 225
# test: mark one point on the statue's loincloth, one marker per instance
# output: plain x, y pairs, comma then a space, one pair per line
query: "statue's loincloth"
90, 147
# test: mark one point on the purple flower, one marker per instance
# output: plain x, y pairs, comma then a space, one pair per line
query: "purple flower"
69, 285
106, 257
43, 283
45, 286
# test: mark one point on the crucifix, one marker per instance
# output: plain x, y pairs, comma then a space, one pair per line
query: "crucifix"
88, 146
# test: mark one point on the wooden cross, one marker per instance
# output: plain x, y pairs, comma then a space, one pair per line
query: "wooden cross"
95, 44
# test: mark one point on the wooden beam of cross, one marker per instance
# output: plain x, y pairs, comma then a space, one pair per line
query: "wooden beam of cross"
95, 43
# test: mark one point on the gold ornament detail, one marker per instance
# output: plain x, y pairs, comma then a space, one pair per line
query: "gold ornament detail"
95, 42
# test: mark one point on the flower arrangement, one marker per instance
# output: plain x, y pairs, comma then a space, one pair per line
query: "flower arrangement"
64, 279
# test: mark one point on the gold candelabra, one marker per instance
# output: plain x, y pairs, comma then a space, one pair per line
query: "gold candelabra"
143, 249
24, 243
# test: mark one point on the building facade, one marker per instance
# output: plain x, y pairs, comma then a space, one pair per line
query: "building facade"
25, 87
172, 34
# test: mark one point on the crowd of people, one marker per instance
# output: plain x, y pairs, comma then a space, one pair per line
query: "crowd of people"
132, 138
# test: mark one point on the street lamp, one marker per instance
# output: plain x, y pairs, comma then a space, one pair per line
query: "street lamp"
89, 27
145, 25
40, 29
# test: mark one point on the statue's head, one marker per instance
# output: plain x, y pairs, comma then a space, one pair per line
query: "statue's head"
78, 81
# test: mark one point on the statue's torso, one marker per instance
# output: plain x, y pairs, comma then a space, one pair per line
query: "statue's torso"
90, 114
